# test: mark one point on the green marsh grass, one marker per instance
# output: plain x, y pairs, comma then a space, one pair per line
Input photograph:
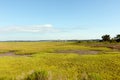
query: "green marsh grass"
46, 64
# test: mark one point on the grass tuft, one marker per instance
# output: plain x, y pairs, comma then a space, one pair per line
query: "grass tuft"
37, 75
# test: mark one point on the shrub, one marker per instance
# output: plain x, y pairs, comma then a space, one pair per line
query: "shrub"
37, 75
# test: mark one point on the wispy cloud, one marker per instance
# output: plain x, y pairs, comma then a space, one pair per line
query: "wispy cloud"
28, 28
46, 28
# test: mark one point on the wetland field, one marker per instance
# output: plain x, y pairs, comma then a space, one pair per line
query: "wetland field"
59, 61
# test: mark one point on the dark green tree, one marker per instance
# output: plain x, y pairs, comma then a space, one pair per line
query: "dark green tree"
106, 37
117, 38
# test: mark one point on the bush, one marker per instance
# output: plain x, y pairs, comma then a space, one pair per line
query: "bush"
37, 75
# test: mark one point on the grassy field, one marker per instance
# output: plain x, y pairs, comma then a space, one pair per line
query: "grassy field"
59, 61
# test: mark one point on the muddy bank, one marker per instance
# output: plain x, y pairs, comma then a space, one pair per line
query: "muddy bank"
13, 54
78, 51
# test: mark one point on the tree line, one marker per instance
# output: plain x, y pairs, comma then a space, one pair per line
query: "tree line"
107, 38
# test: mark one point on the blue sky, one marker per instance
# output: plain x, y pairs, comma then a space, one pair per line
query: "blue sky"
58, 19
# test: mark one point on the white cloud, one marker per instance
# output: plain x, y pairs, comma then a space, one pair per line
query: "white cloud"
30, 28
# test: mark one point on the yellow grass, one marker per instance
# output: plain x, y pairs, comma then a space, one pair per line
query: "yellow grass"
56, 66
